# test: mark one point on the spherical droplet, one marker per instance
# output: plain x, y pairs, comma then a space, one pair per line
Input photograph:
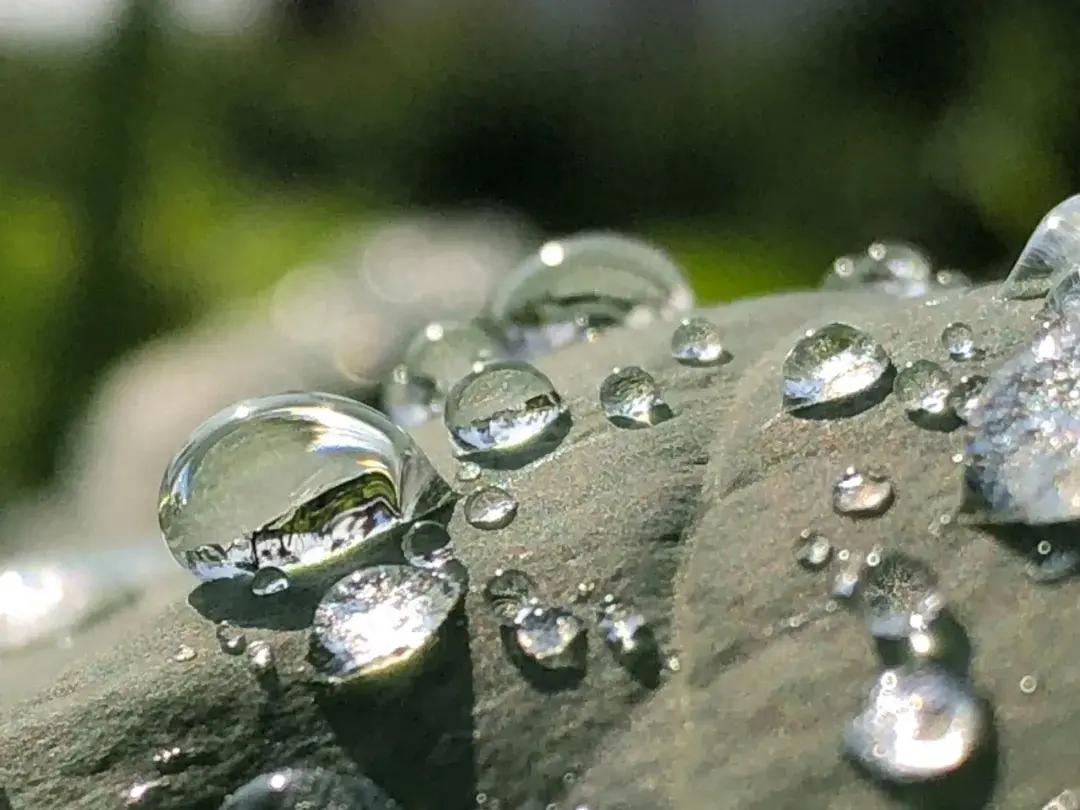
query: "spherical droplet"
917, 724
490, 508
468, 471
631, 398
862, 493
583, 282
502, 409
427, 545
813, 550
835, 370
625, 630
437, 357
268, 581
231, 640
959, 341
379, 617
697, 342
551, 637
923, 388
900, 596
308, 789
508, 592
290, 481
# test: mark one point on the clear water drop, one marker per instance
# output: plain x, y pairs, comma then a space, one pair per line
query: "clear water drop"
438, 356
959, 341
862, 493
917, 724
835, 370
893, 268
1053, 246
290, 481
586, 282
508, 592
261, 659
184, 654
625, 630
468, 471
502, 409
813, 551
490, 508
309, 789
631, 398
268, 581
231, 640
171, 760
900, 596
923, 388
697, 342
552, 637
964, 397
379, 617
427, 545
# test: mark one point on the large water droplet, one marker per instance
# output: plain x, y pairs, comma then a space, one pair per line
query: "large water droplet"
917, 724
289, 481
268, 581
586, 282
631, 398
551, 637
1053, 246
436, 358
813, 550
862, 493
508, 592
625, 630
836, 370
697, 342
379, 617
900, 595
959, 341
231, 640
504, 409
893, 268
490, 508
308, 789
923, 389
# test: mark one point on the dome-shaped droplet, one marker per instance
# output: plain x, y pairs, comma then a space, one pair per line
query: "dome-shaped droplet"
490, 508
583, 282
900, 596
379, 617
551, 637
268, 581
917, 724
631, 398
468, 471
427, 545
959, 341
893, 268
625, 630
508, 592
697, 342
437, 357
964, 397
923, 387
1053, 246
289, 481
309, 789
813, 550
231, 640
862, 493
835, 370
261, 662
504, 409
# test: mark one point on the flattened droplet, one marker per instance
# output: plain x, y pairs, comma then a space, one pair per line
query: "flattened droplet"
551, 637
835, 371
184, 654
309, 789
508, 592
631, 398
862, 493
1053, 246
923, 387
490, 508
813, 551
697, 342
268, 581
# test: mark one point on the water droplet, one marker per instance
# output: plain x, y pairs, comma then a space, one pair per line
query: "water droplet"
673, 663
900, 595
508, 592
631, 398
1066, 800
490, 508
1053, 246
261, 659
959, 341
379, 617
584, 590
505, 408
184, 654
1052, 565
862, 493
583, 282
171, 760
427, 545
551, 637
697, 342
141, 794
437, 357
893, 268
917, 724
231, 640
1028, 684
813, 550
836, 370
848, 580
274, 482
268, 581
964, 397
468, 471
625, 630
298, 789
923, 388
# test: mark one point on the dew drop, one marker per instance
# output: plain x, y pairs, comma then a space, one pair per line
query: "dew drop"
427, 545
893, 268
1053, 564
1053, 246
586, 282
813, 551
504, 409
171, 760
631, 398
508, 592
923, 388
231, 640
584, 590
1029, 684
959, 341
626, 631
268, 581
697, 342
917, 724
298, 789
273, 482
261, 660
964, 397
552, 637
468, 471
490, 508
834, 371
900, 596
862, 493
184, 654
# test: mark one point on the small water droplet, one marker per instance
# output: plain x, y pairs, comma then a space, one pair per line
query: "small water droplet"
959, 341
297, 788
1054, 246
141, 794
625, 630
171, 760
917, 724
506, 408
184, 654
862, 493
923, 388
231, 640
847, 581
813, 550
427, 545
897, 269
379, 617
490, 508
1029, 684
631, 398
468, 471
268, 581
673, 663
900, 594
508, 592
261, 658
697, 342
964, 397
552, 637
835, 370
585, 590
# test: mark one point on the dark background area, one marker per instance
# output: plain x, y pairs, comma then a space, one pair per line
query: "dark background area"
164, 159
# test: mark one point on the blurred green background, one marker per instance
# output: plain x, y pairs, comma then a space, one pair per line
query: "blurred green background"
161, 159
